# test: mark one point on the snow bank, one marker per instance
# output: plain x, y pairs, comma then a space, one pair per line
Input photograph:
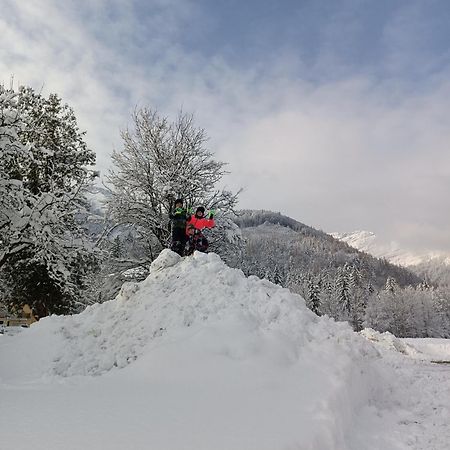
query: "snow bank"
180, 293
241, 356
424, 349
432, 349
387, 341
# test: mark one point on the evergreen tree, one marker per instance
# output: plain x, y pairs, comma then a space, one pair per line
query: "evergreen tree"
343, 291
117, 248
391, 285
43, 175
314, 295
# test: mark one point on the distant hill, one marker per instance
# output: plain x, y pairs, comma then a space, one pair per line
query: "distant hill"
369, 242
290, 245
432, 266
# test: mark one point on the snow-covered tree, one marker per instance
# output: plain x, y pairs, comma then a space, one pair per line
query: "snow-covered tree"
441, 302
159, 162
43, 173
225, 238
314, 295
391, 285
406, 312
343, 289
117, 248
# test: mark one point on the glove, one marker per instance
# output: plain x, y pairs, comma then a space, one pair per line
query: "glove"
211, 213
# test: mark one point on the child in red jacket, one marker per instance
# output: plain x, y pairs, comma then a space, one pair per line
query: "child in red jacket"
195, 224
199, 221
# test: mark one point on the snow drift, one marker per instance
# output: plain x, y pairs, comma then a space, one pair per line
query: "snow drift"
241, 358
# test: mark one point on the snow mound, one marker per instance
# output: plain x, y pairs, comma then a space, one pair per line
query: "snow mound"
197, 337
388, 341
177, 294
166, 258
432, 349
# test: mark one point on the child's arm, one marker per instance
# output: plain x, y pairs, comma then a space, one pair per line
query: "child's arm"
210, 220
209, 223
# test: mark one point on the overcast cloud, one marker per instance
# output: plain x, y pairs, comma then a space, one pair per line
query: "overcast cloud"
336, 113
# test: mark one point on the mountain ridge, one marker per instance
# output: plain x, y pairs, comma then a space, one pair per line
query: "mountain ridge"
369, 242
316, 250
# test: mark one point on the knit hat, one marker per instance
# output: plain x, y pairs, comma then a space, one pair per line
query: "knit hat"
178, 200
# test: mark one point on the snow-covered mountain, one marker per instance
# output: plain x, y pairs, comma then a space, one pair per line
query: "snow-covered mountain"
317, 251
200, 357
370, 243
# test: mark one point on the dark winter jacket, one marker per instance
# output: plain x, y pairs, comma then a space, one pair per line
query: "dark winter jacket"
179, 218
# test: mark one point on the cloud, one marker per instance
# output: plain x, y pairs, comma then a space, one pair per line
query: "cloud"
343, 156
90, 54
57, 55
340, 153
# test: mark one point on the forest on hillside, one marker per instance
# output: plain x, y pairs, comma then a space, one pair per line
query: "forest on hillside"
340, 281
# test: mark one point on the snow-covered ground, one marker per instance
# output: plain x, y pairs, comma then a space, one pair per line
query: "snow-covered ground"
198, 356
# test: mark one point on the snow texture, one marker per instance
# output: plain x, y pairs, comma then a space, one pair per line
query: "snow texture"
211, 359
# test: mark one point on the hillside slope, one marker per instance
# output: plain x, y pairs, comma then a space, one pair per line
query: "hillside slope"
294, 245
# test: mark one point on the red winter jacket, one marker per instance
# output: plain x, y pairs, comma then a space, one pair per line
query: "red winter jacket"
200, 223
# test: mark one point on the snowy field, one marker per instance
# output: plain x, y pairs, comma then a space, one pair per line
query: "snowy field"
199, 357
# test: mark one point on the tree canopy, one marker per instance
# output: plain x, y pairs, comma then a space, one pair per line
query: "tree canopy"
43, 173
159, 162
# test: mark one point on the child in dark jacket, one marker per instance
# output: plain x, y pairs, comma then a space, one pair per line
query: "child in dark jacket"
178, 217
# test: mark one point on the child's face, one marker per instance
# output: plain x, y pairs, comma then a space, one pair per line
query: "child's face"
178, 205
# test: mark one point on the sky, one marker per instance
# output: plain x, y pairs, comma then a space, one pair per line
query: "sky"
335, 113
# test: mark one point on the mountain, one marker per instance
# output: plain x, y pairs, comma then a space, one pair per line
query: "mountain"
198, 356
369, 242
275, 242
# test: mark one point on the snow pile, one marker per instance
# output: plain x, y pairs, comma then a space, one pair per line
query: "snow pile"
424, 349
180, 293
210, 358
432, 349
388, 341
